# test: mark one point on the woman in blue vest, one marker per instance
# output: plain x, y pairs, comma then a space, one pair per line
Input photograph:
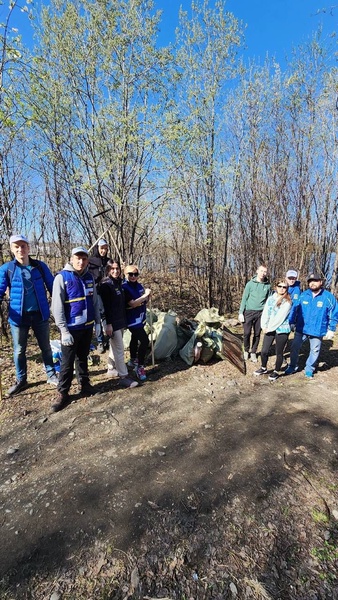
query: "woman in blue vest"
136, 297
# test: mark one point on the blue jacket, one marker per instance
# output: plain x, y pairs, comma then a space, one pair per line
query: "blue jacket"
11, 277
135, 316
315, 315
294, 291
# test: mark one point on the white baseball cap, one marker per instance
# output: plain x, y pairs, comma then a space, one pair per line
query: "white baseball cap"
18, 238
80, 250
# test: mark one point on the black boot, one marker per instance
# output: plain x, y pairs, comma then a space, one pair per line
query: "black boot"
61, 401
18, 387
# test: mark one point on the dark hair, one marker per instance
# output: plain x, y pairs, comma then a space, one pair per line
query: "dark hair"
110, 263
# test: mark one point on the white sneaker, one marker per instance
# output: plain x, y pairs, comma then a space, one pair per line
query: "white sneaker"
112, 373
253, 357
246, 355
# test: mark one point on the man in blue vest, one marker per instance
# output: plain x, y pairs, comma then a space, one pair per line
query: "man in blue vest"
28, 281
75, 308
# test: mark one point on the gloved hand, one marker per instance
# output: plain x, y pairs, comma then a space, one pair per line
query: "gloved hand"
109, 330
329, 335
97, 329
241, 318
67, 339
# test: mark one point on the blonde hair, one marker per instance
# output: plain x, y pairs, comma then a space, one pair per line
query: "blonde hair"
287, 296
130, 268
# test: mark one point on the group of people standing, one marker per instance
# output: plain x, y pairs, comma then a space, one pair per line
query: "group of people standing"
90, 292
77, 296
312, 315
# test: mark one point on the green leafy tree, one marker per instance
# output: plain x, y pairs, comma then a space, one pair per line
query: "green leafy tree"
207, 45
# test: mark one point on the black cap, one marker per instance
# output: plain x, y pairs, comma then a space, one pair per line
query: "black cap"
315, 277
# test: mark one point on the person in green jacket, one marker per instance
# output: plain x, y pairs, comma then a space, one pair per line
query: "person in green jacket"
254, 297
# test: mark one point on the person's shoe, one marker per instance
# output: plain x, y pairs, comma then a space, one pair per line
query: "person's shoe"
112, 373
253, 357
132, 363
140, 372
53, 379
86, 389
273, 376
18, 387
61, 401
290, 370
100, 348
246, 355
308, 374
261, 371
125, 382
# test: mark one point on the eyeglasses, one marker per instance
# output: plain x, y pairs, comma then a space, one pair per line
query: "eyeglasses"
133, 274
285, 287
293, 278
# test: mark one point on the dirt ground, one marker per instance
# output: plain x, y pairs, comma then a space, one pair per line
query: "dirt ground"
201, 483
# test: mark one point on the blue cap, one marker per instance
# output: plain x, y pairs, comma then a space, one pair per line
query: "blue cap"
102, 243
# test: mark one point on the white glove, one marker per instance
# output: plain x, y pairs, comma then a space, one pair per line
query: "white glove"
329, 335
97, 329
67, 339
241, 318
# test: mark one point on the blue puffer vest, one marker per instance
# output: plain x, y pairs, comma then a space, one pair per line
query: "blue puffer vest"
11, 276
79, 306
135, 316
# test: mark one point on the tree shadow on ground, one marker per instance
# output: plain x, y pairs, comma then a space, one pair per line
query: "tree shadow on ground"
115, 467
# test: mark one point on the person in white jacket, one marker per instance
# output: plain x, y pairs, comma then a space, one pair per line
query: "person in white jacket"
275, 326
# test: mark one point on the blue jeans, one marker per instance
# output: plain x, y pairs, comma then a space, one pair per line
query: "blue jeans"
20, 337
315, 345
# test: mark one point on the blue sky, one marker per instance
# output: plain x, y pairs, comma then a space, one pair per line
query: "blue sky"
273, 26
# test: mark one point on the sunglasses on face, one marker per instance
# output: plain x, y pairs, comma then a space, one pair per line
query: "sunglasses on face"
133, 274
285, 287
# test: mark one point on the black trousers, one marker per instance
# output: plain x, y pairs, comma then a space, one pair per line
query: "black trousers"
252, 322
281, 339
139, 344
78, 353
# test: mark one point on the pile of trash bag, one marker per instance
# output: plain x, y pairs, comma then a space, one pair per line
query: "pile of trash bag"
200, 339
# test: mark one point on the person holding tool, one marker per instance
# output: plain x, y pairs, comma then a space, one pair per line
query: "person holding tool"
136, 297
98, 261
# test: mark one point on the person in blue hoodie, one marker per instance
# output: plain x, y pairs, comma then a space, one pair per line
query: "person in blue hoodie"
314, 315
294, 289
